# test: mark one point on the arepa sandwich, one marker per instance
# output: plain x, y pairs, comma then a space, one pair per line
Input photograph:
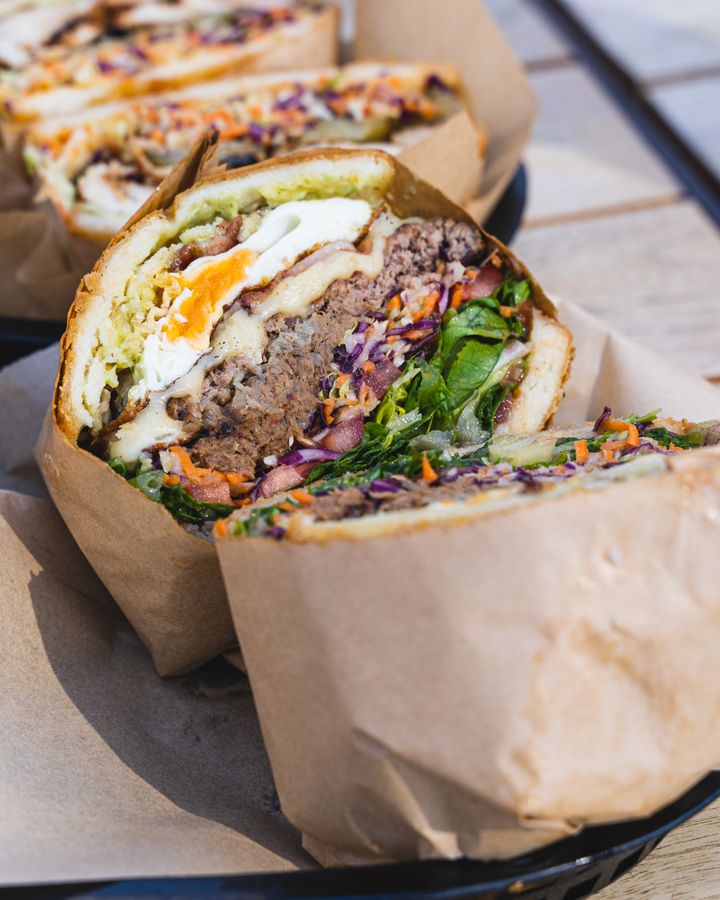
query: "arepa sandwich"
64, 79
273, 319
100, 165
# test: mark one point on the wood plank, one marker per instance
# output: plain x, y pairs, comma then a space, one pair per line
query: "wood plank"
532, 39
654, 39
584, 155
653, 274
686, 866
691, 107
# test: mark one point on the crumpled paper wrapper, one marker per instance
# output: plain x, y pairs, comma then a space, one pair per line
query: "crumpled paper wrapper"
44, 262
485, 688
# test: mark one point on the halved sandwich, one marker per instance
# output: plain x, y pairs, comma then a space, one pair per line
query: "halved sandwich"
318, 314
64, 80
100, 165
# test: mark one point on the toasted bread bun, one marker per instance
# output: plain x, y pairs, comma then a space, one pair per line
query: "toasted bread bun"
540, 391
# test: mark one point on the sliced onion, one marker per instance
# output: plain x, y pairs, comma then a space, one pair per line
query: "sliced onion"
485, 283
344, 436
318, 255
210, 490
382, 377
281, 478
602, 419
307, 455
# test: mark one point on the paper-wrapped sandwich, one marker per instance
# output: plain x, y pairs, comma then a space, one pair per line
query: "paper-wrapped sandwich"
64, 79
475, 658
100, 165
324, 309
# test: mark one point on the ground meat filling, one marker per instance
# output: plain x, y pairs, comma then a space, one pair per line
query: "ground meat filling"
355, 502
241, 416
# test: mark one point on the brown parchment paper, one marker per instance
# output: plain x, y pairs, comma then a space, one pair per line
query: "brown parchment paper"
107, 771
496, 89
485, 688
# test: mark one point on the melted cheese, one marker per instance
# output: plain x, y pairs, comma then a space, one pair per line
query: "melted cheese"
240, 335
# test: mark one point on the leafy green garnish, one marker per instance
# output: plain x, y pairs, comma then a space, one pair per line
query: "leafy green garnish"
470, 369
665, 438
118, 465
185, 508
513, 292
177, 500
475, 320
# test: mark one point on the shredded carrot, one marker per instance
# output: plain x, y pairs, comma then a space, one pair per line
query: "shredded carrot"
414, 335
391, 339
633, 438
171, 480
341, 379
429, 475
233, 131
368, 366
581, 452
286, 507
157, 136
675, 447
187, 464
302, 496
235, 478
224, 114
327, 410
220, 528
507, 311
431, 301
395, 303
608, 449
456, 298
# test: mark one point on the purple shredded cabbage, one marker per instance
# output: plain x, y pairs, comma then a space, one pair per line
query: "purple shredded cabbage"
602, 419
308, 454
444, 300
276, 531
385, 485
256, 132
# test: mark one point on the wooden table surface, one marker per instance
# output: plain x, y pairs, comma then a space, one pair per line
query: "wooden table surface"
609, 226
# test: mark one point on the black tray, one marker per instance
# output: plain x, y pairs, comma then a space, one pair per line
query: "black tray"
567, 870
18, 337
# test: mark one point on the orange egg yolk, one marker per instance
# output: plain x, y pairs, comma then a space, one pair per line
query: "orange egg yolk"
194, 317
